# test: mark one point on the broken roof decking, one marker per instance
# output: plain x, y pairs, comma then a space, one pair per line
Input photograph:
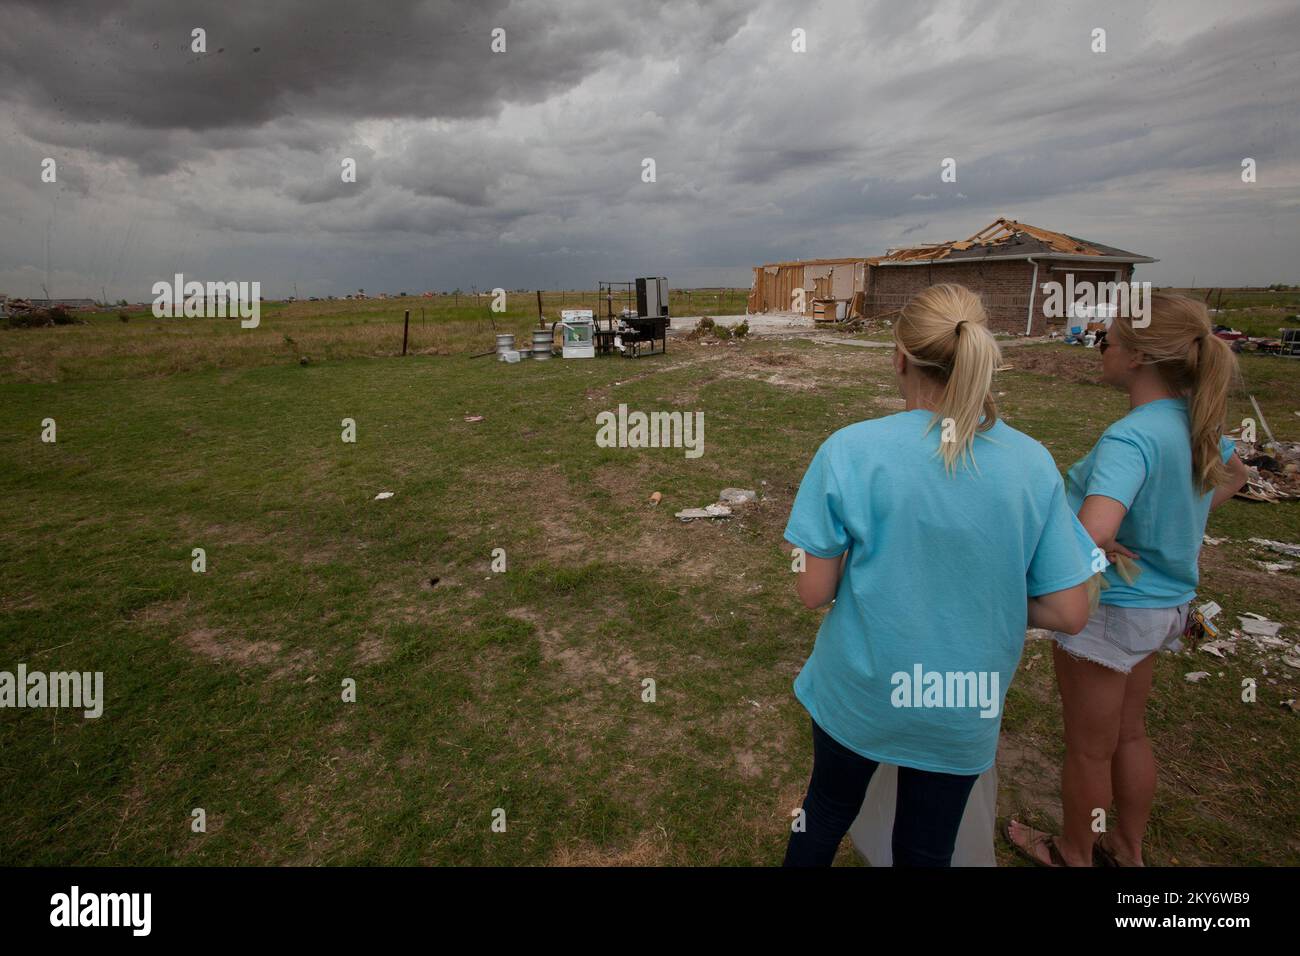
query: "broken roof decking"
1008, 239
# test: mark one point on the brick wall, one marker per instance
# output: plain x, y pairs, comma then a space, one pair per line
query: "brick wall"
1003, 286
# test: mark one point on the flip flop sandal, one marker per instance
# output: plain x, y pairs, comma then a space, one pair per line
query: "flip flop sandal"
1102, 856
1046, 839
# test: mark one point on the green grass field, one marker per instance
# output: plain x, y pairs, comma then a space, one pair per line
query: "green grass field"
1260, 313
478, 690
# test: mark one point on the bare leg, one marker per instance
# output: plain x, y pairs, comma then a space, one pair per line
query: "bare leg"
1133, 769
1092, 703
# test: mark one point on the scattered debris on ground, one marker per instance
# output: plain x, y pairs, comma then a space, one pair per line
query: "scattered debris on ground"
1272, 467
727, 499
737, 496
382, 495
1258, 626
710, 511
1273, 567
706, 327
21, 314
473, 418
1256, 638
657, 497
1281, 547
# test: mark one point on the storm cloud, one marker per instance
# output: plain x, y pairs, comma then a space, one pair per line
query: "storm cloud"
523, 168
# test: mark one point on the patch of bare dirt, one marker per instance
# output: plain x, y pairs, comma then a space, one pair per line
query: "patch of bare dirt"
162, 612
650, 849
372, 650
1068, 364
212, 644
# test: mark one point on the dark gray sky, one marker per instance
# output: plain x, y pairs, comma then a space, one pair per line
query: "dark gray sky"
524, 168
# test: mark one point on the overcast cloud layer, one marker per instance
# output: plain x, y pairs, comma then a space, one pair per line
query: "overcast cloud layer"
523, 169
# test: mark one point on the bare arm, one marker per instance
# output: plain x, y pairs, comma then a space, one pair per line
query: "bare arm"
1236, 480
817, 583
1101, 518
1065, 611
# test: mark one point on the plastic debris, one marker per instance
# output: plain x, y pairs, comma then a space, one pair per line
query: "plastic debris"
1273, 567
737, 496
1257, 624
1195, 677
1281, 547
382, 495
1206, 539
473, 418
711, 511
657, 497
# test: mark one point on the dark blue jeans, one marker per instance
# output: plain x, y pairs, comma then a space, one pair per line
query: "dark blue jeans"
926, 816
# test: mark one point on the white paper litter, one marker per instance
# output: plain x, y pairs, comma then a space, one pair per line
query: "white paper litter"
737, 496
382, 495
1273, 567
711, 511
1281, 547
1261, 626
1196, 676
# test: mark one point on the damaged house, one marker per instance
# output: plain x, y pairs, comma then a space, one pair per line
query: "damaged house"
1006, 263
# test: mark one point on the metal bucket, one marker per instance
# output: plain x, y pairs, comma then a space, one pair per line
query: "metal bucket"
542, 342
505, 343
525, 353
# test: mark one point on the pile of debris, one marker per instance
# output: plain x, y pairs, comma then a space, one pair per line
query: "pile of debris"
1272, 470
728, 499
1272, 467
21, 314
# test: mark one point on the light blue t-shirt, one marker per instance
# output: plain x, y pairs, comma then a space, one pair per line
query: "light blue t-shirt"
1144, 461
937, 581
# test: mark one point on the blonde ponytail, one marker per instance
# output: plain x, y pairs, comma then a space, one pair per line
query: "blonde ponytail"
943, 331
1194, 364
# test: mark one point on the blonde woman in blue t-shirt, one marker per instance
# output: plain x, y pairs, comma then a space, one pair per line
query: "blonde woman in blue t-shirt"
938, 532
1143, 492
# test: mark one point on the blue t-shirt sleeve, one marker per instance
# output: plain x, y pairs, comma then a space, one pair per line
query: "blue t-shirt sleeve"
1227, 447
1118, 470
817, 519
1063, 556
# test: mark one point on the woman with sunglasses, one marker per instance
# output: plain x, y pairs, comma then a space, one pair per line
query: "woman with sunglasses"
1143, 492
